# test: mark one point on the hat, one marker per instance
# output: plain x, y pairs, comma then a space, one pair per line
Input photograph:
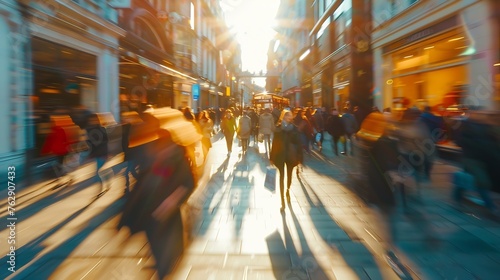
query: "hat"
182, 131
140, 132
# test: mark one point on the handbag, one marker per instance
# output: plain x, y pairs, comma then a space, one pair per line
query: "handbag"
270, 180
318, 137
260, 137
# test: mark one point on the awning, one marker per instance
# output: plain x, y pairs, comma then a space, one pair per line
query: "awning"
159, 67
292, 90
163, 69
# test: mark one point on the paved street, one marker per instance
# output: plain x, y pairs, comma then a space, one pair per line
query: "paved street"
238, 232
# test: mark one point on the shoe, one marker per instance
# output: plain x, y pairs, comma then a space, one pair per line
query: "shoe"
343, 153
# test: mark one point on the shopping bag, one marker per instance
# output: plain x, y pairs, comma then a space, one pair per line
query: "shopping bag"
270, 180
463, 180
318, 137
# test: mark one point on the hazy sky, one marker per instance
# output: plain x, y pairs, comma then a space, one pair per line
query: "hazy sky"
252, 20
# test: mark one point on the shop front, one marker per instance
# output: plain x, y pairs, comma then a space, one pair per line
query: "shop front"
447, 65
64, 77
433, 72
143, 83
341, 87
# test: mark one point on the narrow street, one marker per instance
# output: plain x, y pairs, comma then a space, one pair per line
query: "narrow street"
237, 231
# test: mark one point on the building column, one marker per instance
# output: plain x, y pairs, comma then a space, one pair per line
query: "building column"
108, 84
15, 90
483, 52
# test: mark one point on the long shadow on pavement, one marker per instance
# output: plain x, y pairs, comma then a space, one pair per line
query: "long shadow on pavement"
240, 191
38, 268
56, 195
213, 196
334, 235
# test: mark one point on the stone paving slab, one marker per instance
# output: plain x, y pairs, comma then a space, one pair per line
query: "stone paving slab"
327, 232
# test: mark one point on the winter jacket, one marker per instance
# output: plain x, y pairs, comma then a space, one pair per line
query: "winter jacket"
266, 123
350, 123
286, 147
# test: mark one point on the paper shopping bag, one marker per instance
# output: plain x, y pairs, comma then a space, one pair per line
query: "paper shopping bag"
270, 181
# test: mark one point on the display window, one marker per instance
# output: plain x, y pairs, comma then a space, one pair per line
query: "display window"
431, 73
341, 88
63, 77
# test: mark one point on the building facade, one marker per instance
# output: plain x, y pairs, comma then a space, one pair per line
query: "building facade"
437, 53
342, 74
101, 55
295, 21
58, 55
15, 86
327, 61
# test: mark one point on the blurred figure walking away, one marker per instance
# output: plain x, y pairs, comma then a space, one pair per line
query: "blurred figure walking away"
255, 125
286, 151
228, 127
154, 205
206, 126
266, 128
244, 130
479, 138
320, 117
98, 145
335, 128
305, 129
351, 127
434, 129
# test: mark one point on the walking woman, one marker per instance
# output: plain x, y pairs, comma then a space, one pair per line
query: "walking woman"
228, 127
286, 151
206, 126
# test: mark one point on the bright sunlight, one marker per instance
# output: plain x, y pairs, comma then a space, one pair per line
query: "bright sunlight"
252, 20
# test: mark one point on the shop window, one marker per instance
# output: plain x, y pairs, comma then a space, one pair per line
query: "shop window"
445, 50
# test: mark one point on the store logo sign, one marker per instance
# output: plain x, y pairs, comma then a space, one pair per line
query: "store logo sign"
195, 90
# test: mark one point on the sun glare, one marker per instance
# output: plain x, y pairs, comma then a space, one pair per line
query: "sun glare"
252, 21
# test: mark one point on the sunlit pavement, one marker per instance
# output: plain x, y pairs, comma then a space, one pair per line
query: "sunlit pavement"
328, 232
238, 232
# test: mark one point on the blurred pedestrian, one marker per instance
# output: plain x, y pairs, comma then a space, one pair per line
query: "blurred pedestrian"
335, 128
481, 154
154, 204
305, 129
206, 126
351, 127
286, 152
320, 117
266, 128
228, 127
188, 113
254, 117
98, 144
434, 129
244, 130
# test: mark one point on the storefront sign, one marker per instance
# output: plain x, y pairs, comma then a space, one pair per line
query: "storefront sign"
424, 33
195, 90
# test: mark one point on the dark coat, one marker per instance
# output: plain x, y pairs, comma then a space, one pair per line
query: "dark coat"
286, 147
335, 126
97, 141
170, 170
481, 153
